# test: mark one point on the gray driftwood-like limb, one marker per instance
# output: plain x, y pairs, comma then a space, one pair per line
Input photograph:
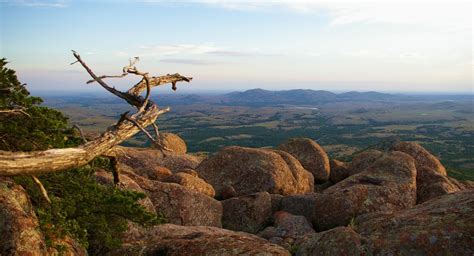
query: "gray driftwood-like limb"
75, 126
14, 111
157, 133
154, 141
124, 71
157, 81
54, 160
44, 193
147, 134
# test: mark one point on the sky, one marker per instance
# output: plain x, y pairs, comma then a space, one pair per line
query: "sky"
385, 45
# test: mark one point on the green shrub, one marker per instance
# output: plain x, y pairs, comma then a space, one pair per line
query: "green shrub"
95, 215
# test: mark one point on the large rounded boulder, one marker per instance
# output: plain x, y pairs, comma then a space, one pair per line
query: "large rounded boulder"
363, 160
431, 184
20, 229
300, 204
189, 178
180, 205
173, 142
422, 156
184, 206
149, 162
19, 225
389, 184
169, 239
287, 229
441, 226
249, 213
337, 241
311, 156
339, 171
251, 170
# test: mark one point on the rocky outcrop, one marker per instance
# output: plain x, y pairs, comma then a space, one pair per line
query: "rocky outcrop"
339, 170
300, 204
276, 202
319, 188
287, 228
172, 240
184, 206
180, 205
173, 142
363, 160
389, 184
189, 171
421, 155
442, 226
19, 227
250, 170
66, 246
126, 183
337, 241
149, 161
311, 156
189, 179
248, 213
431, 184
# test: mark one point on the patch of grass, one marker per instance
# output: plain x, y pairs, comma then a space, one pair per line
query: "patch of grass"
352, 224
293, 249
461, 174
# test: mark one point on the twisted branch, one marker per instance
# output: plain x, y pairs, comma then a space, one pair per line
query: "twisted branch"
54, 160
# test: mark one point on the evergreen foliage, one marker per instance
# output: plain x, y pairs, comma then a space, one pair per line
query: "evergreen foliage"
93, 214
44, 128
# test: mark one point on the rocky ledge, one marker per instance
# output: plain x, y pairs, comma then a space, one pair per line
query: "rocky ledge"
294, 200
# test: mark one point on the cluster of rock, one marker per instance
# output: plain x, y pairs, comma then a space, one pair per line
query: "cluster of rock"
283, 201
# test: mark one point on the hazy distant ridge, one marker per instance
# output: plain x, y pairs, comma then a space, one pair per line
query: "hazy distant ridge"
301, 97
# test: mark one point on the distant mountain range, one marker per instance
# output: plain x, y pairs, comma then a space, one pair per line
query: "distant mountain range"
260, 97
301, 97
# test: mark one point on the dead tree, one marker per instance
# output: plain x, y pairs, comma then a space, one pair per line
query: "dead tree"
55, 160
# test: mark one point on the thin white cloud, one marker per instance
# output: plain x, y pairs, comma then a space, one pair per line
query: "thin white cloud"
187, 49
231, 53
453, 13
177, 49
38, 3
197, 62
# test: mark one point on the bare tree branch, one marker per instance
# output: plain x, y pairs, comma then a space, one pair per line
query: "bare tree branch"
131, 99
80, 132
157, 141
157, 81
148, 135
157, 133
43, 191
124, 71
14, 111
54, 160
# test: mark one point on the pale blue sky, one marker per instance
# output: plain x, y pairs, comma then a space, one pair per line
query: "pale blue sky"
421, 46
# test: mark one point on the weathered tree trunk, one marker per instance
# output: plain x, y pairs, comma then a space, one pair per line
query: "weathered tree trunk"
54, 160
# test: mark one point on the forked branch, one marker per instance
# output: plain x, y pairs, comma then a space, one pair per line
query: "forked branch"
54, 160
